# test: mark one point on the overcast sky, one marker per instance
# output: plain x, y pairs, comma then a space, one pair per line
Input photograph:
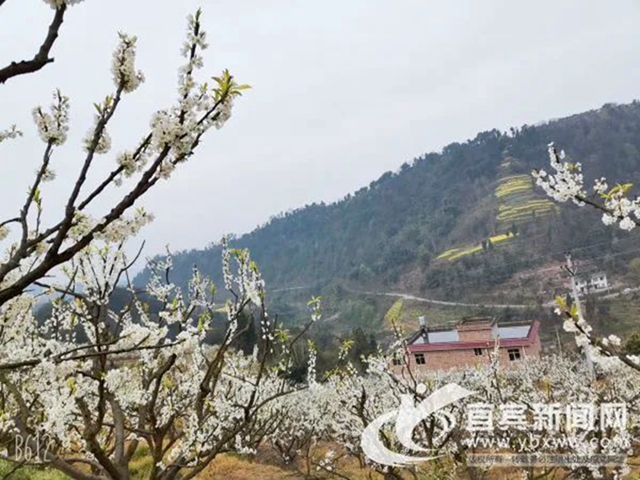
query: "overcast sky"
342, 91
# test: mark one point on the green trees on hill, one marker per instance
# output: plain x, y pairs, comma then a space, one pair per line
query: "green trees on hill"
394, 229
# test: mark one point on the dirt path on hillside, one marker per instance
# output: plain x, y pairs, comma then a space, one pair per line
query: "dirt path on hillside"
407, 296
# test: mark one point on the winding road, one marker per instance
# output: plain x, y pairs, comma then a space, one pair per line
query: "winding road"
415, 298
407, 296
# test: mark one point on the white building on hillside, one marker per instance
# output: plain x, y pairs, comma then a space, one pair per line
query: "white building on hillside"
592, 283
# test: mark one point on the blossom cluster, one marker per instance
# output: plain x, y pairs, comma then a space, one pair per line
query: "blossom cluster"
167, 378
566, 183
9, 133
126, 226
339, 408
621, 210
247, 275
103, 143
163, 366
176, 131
53, 127
123, 66
55, 4
606, 351
99, 372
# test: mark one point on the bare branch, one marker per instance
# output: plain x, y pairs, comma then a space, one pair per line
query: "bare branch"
59, 358
42, 57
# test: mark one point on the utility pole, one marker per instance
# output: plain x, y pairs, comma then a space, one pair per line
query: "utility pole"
559, 343
571, 270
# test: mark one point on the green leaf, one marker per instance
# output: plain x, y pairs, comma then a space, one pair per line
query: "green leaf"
574, 311
561, 303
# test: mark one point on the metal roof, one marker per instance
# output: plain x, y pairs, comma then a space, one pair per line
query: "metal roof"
440, 335
520, 331
444, 336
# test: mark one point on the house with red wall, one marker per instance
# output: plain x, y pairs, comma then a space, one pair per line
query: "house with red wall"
469, 343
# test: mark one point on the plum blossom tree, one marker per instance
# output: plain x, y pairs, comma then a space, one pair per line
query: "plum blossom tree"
564, 183
340, 407
174, 136
92, 386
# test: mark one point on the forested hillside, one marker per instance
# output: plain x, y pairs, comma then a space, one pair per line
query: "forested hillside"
459, 222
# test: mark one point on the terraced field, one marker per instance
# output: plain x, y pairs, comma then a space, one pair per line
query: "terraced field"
518, 203
517, 199
456, 253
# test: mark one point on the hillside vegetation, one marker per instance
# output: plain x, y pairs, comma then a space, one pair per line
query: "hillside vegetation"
458, 223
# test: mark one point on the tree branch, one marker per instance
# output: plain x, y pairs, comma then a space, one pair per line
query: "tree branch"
42, 57
59, 358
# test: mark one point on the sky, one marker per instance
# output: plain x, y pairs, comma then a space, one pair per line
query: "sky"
342, 92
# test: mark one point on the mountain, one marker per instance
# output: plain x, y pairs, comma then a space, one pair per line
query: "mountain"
462, 223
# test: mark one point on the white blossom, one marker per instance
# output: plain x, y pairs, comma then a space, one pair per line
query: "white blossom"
123, 66
10, 133
613, 340
627, 224
600, 186
126, 227
119, 372
48, 175
53, 127
122, 382
311, 365
566, 183
55, 4
103, 143
82, 225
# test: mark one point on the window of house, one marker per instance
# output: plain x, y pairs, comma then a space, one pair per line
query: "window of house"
420, 360
477, 351
396, 360
514, 354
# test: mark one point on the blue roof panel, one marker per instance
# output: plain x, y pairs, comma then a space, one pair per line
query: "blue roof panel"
521, 331
444, 336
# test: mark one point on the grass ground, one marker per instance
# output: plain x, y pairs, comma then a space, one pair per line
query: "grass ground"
231, 467
228, 467
234, 467
621, 316
7, 471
